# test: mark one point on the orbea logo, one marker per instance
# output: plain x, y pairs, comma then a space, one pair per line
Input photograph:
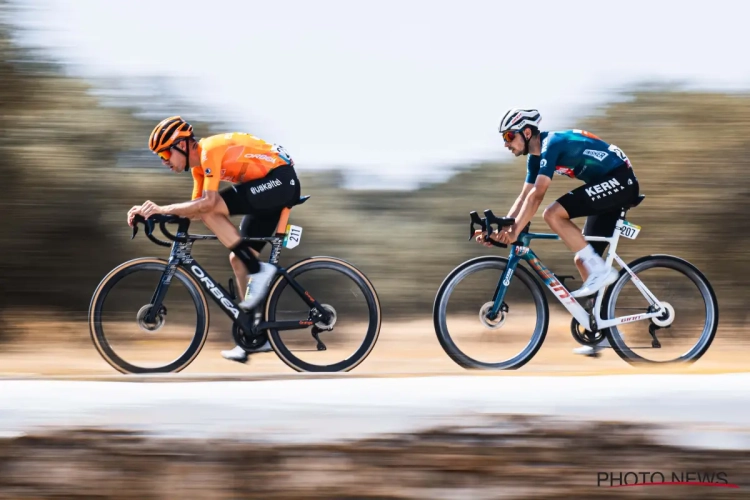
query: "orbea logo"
658, 478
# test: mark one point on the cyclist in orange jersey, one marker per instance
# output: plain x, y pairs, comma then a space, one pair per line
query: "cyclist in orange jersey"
264, 182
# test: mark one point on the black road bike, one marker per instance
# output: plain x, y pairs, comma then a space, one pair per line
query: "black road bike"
248, 327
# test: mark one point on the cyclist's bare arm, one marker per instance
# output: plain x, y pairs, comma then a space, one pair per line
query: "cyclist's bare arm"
533, 199
207, 203
516, 208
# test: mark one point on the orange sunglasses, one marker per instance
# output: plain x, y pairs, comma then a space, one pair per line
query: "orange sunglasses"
166, 154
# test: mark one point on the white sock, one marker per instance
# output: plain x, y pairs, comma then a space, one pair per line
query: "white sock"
592, 261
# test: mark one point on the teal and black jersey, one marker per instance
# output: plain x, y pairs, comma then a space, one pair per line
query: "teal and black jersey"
575, 153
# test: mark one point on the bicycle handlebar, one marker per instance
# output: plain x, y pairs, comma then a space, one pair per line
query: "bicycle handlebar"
486, 225
160, 219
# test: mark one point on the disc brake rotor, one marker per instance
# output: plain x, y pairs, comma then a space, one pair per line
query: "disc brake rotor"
159, 320
491, 324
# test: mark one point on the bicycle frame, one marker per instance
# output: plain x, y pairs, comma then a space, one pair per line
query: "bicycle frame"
181, 256
523, 252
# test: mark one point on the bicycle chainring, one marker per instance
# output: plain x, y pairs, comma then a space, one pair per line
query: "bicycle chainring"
246, 342
583, 336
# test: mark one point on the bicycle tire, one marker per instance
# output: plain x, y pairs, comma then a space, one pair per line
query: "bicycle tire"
687, 269
441, 328
110, 281
373, 303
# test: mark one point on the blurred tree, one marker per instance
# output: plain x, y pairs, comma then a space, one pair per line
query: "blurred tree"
73, 159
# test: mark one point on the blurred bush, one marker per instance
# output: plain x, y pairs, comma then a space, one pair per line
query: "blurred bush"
72, 167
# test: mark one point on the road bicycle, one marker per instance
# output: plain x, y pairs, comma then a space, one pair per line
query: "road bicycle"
591, 322
249, 328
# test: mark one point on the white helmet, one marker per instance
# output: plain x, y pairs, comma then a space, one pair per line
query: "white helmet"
516, 119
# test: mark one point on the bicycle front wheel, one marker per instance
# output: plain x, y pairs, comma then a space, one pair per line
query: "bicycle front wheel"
343, 291
684, 333
473, 341
118, 326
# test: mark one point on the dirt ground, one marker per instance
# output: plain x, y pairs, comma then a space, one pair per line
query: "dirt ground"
403, 348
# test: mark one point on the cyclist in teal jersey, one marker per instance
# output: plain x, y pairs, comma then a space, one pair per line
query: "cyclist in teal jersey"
609, 184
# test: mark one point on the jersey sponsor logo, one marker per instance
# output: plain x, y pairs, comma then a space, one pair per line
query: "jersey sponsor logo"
604, 189
599, 155
543, 163
545, 142
261, 157
265, 186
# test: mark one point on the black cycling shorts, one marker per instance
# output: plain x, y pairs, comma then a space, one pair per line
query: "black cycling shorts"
601, 201
261, 202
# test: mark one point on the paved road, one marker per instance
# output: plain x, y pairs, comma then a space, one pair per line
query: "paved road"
702, 410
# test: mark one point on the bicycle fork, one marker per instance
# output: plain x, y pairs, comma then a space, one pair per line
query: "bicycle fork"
161, 290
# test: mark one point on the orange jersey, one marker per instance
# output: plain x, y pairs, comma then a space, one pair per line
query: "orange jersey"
234, 157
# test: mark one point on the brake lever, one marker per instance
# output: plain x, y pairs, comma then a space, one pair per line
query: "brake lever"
476, 220
490, 219
136, 220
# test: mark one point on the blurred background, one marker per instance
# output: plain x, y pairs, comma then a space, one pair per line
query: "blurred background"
390, 110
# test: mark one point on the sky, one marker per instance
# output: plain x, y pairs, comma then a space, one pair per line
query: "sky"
396, 92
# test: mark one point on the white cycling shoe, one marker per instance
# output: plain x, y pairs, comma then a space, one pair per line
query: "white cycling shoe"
592, 350
257, 285
596, 281
240, 355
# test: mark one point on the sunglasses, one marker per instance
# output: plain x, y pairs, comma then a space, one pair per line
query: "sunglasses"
166, 154
509, 135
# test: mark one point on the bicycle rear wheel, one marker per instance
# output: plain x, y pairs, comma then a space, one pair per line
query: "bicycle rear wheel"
126, 341
340, 288
470, 339
692, 308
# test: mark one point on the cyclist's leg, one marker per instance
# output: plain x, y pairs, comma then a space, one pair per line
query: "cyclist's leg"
263, 198
253, 226
597, 225
262, 212
603, 196
238, 353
